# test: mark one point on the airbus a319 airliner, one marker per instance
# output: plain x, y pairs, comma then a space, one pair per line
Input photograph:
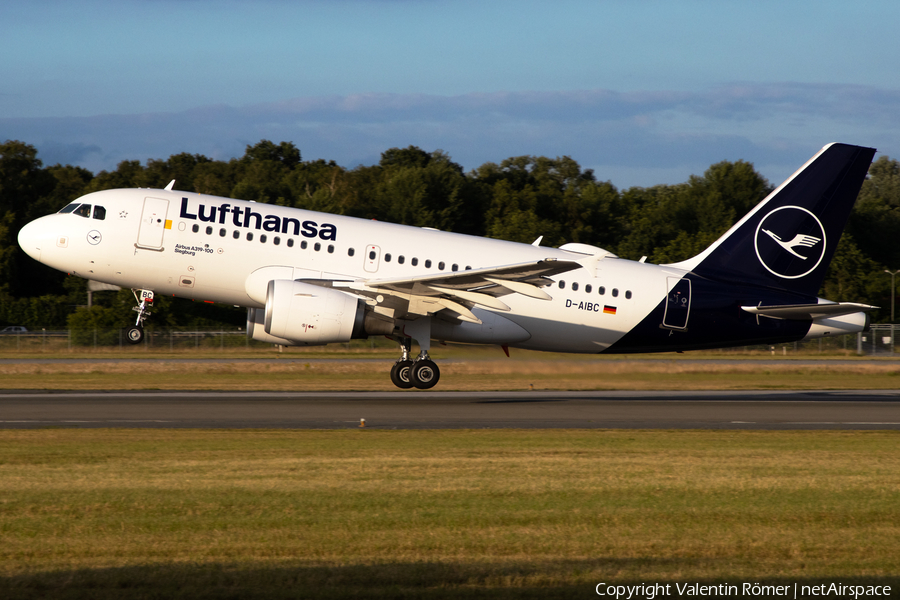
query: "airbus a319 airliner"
310, 278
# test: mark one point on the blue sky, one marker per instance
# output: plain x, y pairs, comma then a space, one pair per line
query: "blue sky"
642, 91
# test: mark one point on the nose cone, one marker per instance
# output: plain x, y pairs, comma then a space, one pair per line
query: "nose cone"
30, 239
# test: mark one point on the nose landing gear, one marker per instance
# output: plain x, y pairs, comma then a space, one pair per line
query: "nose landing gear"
135, 334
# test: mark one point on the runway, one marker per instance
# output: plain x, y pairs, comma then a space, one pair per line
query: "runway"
853, 409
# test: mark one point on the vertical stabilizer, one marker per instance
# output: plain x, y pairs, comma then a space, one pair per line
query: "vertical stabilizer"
788, 240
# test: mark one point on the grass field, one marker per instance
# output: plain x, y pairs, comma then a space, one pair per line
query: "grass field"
467, 375
439, 514
461, 369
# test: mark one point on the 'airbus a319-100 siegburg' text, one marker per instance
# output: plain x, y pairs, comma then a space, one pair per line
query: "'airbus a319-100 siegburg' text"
310, 278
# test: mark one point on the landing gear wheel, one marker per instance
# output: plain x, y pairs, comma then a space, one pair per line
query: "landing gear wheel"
425, 374
134, 335
401, 374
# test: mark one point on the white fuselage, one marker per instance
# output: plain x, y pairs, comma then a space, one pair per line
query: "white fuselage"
206, 248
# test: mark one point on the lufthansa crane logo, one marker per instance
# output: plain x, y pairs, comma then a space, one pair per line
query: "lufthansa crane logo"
790, 242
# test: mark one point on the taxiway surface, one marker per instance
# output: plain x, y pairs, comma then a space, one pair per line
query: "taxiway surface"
853, 409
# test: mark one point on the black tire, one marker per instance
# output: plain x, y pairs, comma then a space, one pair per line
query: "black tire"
425, 374
134, 335
400, 374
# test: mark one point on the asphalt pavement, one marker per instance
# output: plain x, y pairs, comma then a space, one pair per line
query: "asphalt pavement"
847, 409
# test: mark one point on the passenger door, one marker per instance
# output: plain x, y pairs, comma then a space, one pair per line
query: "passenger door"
678, 304
153, 224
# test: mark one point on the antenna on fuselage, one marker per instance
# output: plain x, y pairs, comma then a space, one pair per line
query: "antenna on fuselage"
171, 185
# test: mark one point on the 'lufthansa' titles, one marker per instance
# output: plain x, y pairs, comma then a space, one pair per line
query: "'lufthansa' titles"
246, 217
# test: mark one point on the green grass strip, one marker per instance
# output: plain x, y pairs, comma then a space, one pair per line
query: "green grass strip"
439, 514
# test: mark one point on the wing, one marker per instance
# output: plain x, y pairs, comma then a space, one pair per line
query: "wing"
456, 291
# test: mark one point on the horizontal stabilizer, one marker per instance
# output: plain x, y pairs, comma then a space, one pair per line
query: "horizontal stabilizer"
808, 312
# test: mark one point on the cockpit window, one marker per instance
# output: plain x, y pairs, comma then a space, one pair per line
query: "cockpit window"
99, 213
83, 211
68, 208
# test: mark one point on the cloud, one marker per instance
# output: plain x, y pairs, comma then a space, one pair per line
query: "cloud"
52, 153
630, 138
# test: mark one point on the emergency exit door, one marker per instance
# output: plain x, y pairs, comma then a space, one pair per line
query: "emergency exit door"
373, 257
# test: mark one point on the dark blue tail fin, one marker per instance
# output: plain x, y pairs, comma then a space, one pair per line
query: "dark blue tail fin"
787, 241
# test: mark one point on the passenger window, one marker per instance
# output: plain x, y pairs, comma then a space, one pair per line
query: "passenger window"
441, 266
575, 287
587, 289
602, 290
628, 294
330, 249
83, 211
195, 228
262, 238
428, 263
562, 285
222, 232
455, 267
249, 236
99, 213
276, 240
387, 257
209, 230
414, 262
401, 259
372, 255
236, 234
615, 292
68, 208
303, 244
350, 251
468, 268
317, 246
290, 242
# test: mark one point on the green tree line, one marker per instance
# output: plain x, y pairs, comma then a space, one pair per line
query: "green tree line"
518, 199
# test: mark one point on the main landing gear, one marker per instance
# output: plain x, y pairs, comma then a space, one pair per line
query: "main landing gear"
421, 373
135, 334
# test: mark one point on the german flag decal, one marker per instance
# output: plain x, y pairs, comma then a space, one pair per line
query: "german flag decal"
609, 310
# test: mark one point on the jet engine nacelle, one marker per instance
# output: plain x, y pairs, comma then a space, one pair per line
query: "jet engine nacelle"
852, 323
256, 328
302, 314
